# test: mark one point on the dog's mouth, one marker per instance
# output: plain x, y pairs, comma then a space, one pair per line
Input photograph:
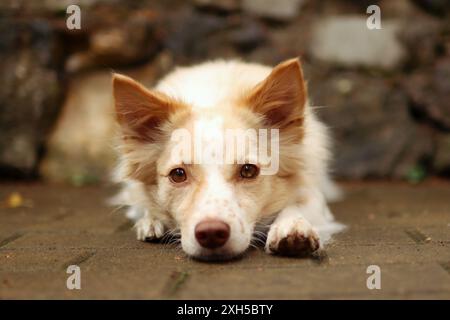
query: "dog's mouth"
218, 257
206, 255
227, 252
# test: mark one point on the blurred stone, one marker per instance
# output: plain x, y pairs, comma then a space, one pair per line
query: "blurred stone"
61, 5
126, 43
81, 145
30, 93
346, 41
190, 35
248, 36
81, 148
134, 41
429, 92
370, 123
380, 132
284, 10
398, 9
441, 161
293, 39
221, 5
267, 54
422, 39
45, 7
437, 7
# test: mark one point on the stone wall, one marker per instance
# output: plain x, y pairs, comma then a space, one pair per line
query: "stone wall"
385, 93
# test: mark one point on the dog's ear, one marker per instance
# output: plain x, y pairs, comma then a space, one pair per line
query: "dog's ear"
139, 111
281, 97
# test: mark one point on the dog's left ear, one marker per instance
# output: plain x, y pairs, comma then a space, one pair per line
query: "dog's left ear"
281, 97
140, 111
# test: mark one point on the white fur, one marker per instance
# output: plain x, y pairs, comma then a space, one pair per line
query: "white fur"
211, 83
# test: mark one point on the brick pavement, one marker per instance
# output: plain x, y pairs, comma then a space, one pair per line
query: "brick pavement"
403, 229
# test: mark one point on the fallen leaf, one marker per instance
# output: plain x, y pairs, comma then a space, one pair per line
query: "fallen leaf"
14, 200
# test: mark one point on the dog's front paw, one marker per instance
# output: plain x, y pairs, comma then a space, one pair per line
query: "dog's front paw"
148, 229
292, 238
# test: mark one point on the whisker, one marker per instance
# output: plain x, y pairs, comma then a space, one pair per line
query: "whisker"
171, 238
319, 107
117, 208
253, 246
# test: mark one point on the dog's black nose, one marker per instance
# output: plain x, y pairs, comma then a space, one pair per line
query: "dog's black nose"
212, 234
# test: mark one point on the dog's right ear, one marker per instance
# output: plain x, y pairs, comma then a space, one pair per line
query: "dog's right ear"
140, 112
281, 97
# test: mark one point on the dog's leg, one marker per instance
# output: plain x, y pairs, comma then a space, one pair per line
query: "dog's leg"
149, 228
296, 229
330, 189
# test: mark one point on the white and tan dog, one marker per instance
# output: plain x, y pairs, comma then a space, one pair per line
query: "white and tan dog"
217, 206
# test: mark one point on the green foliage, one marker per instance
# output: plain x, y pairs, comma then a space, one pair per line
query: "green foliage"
416, 174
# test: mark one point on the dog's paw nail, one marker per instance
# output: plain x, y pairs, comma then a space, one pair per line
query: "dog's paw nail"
296, 243
149, 230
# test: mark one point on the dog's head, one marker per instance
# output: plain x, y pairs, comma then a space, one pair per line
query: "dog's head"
213, 193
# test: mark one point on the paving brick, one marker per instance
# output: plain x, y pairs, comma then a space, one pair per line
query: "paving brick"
403, 229
373, 235
402, 205
34, 285
338, 282
378, 254
74, 240
439, 233
36, 261
61, 208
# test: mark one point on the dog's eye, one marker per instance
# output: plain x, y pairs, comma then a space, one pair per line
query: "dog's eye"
249, 171
177, 175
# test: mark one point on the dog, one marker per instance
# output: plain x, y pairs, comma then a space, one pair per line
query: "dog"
219, 209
